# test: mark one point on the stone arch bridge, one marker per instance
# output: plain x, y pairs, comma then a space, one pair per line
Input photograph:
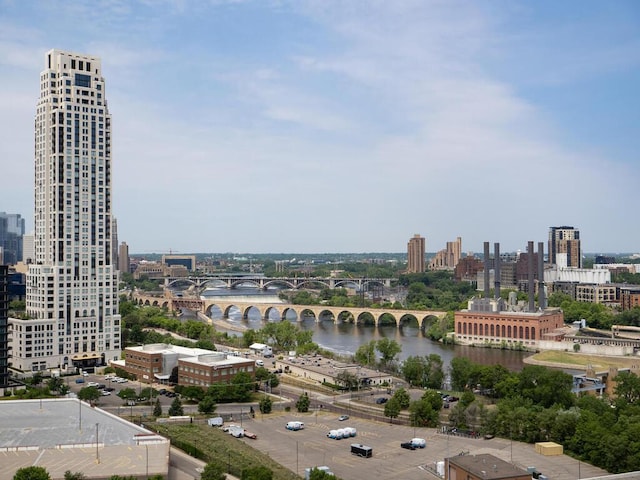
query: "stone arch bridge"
357, 315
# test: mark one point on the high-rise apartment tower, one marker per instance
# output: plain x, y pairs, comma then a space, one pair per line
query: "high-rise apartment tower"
415, 254
4, 321
72, 286
564, 243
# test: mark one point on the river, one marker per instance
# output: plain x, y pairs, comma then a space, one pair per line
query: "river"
345, 338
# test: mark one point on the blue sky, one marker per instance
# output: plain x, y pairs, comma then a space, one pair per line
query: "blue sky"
333, 126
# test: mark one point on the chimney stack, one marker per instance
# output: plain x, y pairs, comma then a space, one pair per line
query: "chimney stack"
530, 279
542, 297
496, 269
486, 270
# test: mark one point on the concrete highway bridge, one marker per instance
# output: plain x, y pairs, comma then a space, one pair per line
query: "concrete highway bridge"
357, 315
258, 281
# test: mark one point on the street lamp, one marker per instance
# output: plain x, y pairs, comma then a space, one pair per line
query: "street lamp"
97, 451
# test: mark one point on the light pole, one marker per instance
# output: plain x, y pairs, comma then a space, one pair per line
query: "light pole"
97, 451
146, 448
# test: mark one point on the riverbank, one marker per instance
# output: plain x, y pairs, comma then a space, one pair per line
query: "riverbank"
579, 361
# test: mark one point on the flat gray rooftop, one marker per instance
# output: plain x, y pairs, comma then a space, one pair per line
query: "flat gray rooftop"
51, 423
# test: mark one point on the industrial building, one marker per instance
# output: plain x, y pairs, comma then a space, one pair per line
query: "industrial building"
496, 321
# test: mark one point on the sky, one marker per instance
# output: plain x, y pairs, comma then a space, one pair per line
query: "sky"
330, 126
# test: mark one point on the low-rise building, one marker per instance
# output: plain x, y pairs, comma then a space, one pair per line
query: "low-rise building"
195, 366
482, 467
68, 434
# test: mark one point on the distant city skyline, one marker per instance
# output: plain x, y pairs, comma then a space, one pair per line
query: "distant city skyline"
299, 126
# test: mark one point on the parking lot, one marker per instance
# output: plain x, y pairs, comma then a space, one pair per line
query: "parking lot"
310, 447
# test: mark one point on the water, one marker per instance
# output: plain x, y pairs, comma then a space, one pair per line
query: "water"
345, 338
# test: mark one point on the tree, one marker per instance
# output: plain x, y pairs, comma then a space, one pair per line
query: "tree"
422, 414
55, 384
366, 354
176, 410
403, 398
434, 371
388, 349
213, 471
32, 473
207, 405
317, 474
628, 386
348, 379
413, 370
302, 405
460, 371
157, 408
89, 394
392, 409
257, 473
265, 404
127, 394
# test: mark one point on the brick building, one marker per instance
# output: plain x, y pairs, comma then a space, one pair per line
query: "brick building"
196, 366
506, 326
482, 467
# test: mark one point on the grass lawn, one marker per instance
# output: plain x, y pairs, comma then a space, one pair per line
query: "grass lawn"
581, 361
212, 445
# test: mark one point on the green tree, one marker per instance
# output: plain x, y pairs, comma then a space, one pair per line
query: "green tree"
434, 371
157, 408
460, 371
317, 474
348, 379
413, 370
32, 473
55, 384
467, 398
366, 353
213, 471
388, 349
392, 409
628, 386
265, 404
176, 410
89, 394
422, 414
257, 473
403, 398
302, 405
128, 394
207, 405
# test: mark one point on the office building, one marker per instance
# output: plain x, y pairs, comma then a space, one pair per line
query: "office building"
11, 233
123, 258
564, 247
4, 324
448, 258
415, 254
72, 285
28, 248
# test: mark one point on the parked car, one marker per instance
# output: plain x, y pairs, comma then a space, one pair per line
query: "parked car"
79, 380
249, 434
408, 445
381, 400
342, 418
105, 393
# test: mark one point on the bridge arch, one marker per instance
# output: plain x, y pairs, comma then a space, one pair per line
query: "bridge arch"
267, 313
428, 320
409, 320
365, 318
327, 314
386, 318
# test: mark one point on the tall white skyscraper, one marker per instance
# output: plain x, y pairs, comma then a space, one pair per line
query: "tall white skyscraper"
72, 287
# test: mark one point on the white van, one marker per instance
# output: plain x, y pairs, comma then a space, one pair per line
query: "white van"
295, 426
259, 363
